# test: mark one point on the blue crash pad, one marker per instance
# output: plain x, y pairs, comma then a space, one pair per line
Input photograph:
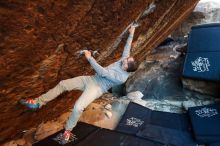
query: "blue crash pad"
215, 144
202, 65
133, 119
82, 130
167, 136
206, 123
203, 53
106, 137
204, 38
166, 128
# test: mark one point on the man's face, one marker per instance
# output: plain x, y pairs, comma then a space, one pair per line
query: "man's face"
125, 62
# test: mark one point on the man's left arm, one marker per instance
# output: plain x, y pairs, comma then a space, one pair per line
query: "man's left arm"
127, 48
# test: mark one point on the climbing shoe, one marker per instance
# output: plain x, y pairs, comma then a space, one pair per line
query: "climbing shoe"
67, 135
30, 103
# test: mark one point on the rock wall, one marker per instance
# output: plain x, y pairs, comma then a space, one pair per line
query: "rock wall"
181, 33
39, 40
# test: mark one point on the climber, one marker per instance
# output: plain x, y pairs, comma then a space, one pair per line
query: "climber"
92, 86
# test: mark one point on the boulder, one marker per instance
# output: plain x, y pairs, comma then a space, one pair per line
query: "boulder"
160, 78
201, 86
39, 41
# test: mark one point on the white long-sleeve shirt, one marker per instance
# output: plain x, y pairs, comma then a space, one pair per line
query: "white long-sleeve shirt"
113, 74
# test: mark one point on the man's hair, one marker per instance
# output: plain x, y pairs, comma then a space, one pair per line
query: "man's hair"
132, 66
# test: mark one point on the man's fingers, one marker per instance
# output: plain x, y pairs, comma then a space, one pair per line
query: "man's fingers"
131, 30
85, 51
87, 54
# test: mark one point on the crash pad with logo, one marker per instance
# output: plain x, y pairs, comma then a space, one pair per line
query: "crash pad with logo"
206, 123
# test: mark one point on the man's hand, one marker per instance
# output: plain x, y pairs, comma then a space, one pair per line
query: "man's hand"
87, 54
132, 29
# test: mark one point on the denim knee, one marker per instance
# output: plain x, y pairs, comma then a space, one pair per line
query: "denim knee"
78, 108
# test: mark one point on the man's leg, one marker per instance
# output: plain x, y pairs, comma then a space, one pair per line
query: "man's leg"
77, 83
91, 92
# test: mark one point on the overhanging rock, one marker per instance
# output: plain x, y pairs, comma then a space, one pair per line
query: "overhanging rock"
39, 40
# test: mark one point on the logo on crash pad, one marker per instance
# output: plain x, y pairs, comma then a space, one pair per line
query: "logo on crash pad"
135, 122
206, 112
201, 64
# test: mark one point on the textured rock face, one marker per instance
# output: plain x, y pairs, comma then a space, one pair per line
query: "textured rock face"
204, 87
34, 60
181, 33
159, 76
204, 12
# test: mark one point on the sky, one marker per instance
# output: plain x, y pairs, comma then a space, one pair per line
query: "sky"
217, 1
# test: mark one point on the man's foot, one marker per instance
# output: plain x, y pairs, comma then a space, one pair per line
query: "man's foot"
30, 103
67, 135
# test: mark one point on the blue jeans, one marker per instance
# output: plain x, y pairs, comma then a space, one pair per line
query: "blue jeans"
87, 84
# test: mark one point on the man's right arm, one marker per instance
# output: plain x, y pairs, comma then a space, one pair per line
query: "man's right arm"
98, 68
101, 71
